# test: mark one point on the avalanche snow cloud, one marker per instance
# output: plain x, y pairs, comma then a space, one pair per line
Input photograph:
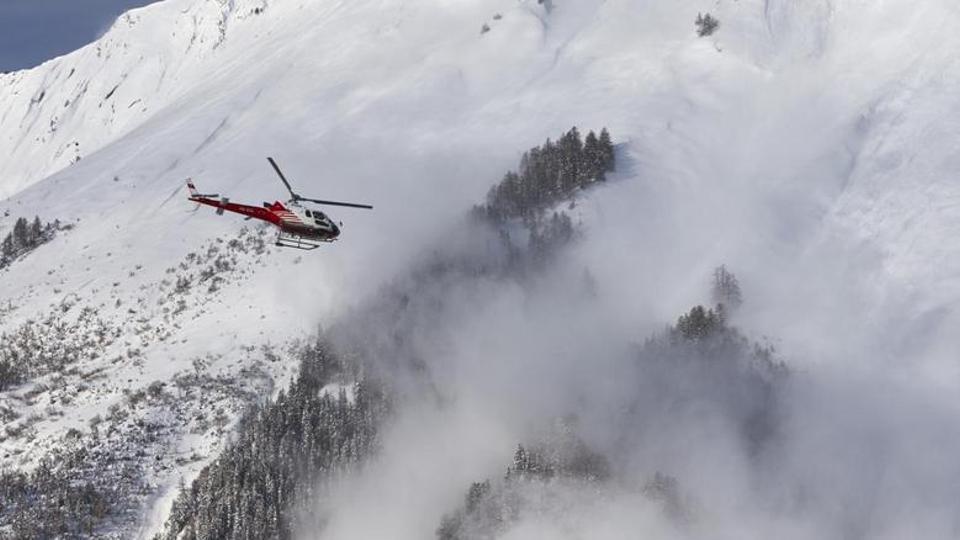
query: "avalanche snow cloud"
808, 145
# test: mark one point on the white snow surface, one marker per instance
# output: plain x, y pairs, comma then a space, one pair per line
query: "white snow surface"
811, 145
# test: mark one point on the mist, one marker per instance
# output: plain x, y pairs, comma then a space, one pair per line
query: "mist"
755, 171
483, 364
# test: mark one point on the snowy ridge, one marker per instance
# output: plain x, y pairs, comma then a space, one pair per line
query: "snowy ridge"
56, 114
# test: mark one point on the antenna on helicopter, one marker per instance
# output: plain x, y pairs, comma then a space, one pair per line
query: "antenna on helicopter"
296, 197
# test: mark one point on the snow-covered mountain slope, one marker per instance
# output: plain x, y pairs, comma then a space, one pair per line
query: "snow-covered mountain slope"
808, 144
72, 106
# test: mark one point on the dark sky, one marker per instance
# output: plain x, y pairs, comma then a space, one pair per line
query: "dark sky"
33, 31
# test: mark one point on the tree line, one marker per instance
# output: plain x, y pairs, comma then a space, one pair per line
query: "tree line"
550, 173
261, 483
27, 236
490, 507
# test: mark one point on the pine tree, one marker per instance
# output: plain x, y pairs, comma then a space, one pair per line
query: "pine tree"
521, 461
606, 150
476, 493
7, 250
570, 148
706, 24
20, 234
593, 158
699, 323
726, 289
35, 234
552, 187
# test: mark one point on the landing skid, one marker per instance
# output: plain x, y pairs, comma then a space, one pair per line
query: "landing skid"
292, 240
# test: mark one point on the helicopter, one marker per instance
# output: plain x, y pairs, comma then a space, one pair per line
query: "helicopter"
298, 226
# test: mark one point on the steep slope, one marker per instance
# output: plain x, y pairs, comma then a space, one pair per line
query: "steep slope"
98, 93
807, 144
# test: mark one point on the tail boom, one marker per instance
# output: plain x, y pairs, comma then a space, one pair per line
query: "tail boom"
224, 205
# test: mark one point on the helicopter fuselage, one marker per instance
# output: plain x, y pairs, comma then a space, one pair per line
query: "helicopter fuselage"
299, 226
290, 217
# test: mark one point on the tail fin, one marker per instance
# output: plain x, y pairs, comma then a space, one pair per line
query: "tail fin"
194, 194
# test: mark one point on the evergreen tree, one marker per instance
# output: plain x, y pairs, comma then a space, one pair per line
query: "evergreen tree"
606, 150
7, 251
706, 24
594, 162
551, 172
20, 234
570, 150
35, 234
699, 323
726, 289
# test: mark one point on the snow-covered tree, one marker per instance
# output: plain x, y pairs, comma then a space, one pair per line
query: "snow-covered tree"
726, 289
706, 24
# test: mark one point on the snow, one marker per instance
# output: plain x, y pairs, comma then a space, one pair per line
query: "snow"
812, 140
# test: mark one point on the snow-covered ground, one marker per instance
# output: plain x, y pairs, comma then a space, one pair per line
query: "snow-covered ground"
810, 145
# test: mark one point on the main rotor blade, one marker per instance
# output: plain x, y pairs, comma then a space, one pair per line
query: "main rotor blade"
282, 177
335, 203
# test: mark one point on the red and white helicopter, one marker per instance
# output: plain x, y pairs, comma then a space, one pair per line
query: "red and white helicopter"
299, 227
